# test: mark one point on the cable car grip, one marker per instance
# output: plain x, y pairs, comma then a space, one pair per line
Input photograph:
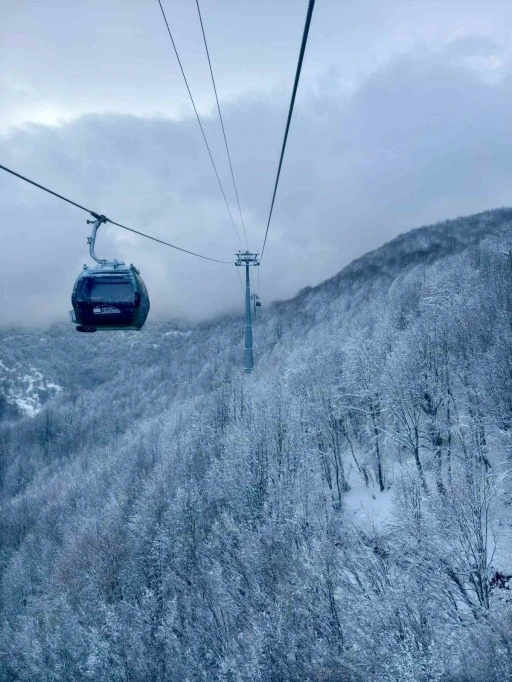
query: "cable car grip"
92, 241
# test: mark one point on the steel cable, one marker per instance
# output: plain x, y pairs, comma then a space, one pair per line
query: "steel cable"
98, 215
222, 122
290, 112
199, 121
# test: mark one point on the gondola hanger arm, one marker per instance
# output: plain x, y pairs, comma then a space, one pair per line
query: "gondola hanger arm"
92, 241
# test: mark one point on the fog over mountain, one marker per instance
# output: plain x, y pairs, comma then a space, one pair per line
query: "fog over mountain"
343, 513
421, 138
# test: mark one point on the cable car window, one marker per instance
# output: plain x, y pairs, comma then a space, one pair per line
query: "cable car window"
112, 289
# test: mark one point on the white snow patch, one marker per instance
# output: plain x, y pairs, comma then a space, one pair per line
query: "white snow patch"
29, 405
367, 505
25, 390
177, 333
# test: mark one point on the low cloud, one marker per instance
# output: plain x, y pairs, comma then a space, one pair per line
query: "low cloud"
423, 139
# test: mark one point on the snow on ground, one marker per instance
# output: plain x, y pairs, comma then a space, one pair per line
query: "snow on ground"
500, 530
367, 505
177, 333
27, 391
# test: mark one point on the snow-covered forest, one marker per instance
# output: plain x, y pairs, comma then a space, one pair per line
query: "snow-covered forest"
343, 514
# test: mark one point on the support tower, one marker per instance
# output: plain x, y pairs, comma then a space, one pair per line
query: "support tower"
245, 258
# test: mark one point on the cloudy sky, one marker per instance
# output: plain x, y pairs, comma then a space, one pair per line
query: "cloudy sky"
403, 118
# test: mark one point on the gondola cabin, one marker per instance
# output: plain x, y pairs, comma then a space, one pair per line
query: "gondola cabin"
109, 297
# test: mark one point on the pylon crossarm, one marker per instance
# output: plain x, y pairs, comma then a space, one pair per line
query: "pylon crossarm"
246, 258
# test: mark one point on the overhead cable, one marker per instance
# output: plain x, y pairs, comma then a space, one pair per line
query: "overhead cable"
239, 278
98, 215
59, 196
222, 122
290, 112
199, 121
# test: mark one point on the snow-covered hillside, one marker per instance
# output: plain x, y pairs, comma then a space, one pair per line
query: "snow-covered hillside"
344, 513
24, 390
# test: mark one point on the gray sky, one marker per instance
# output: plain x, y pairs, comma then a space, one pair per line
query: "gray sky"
403, 118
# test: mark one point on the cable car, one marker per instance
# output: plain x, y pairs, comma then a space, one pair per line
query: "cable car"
108, 296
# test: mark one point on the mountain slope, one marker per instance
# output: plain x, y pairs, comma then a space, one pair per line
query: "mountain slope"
342, 513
